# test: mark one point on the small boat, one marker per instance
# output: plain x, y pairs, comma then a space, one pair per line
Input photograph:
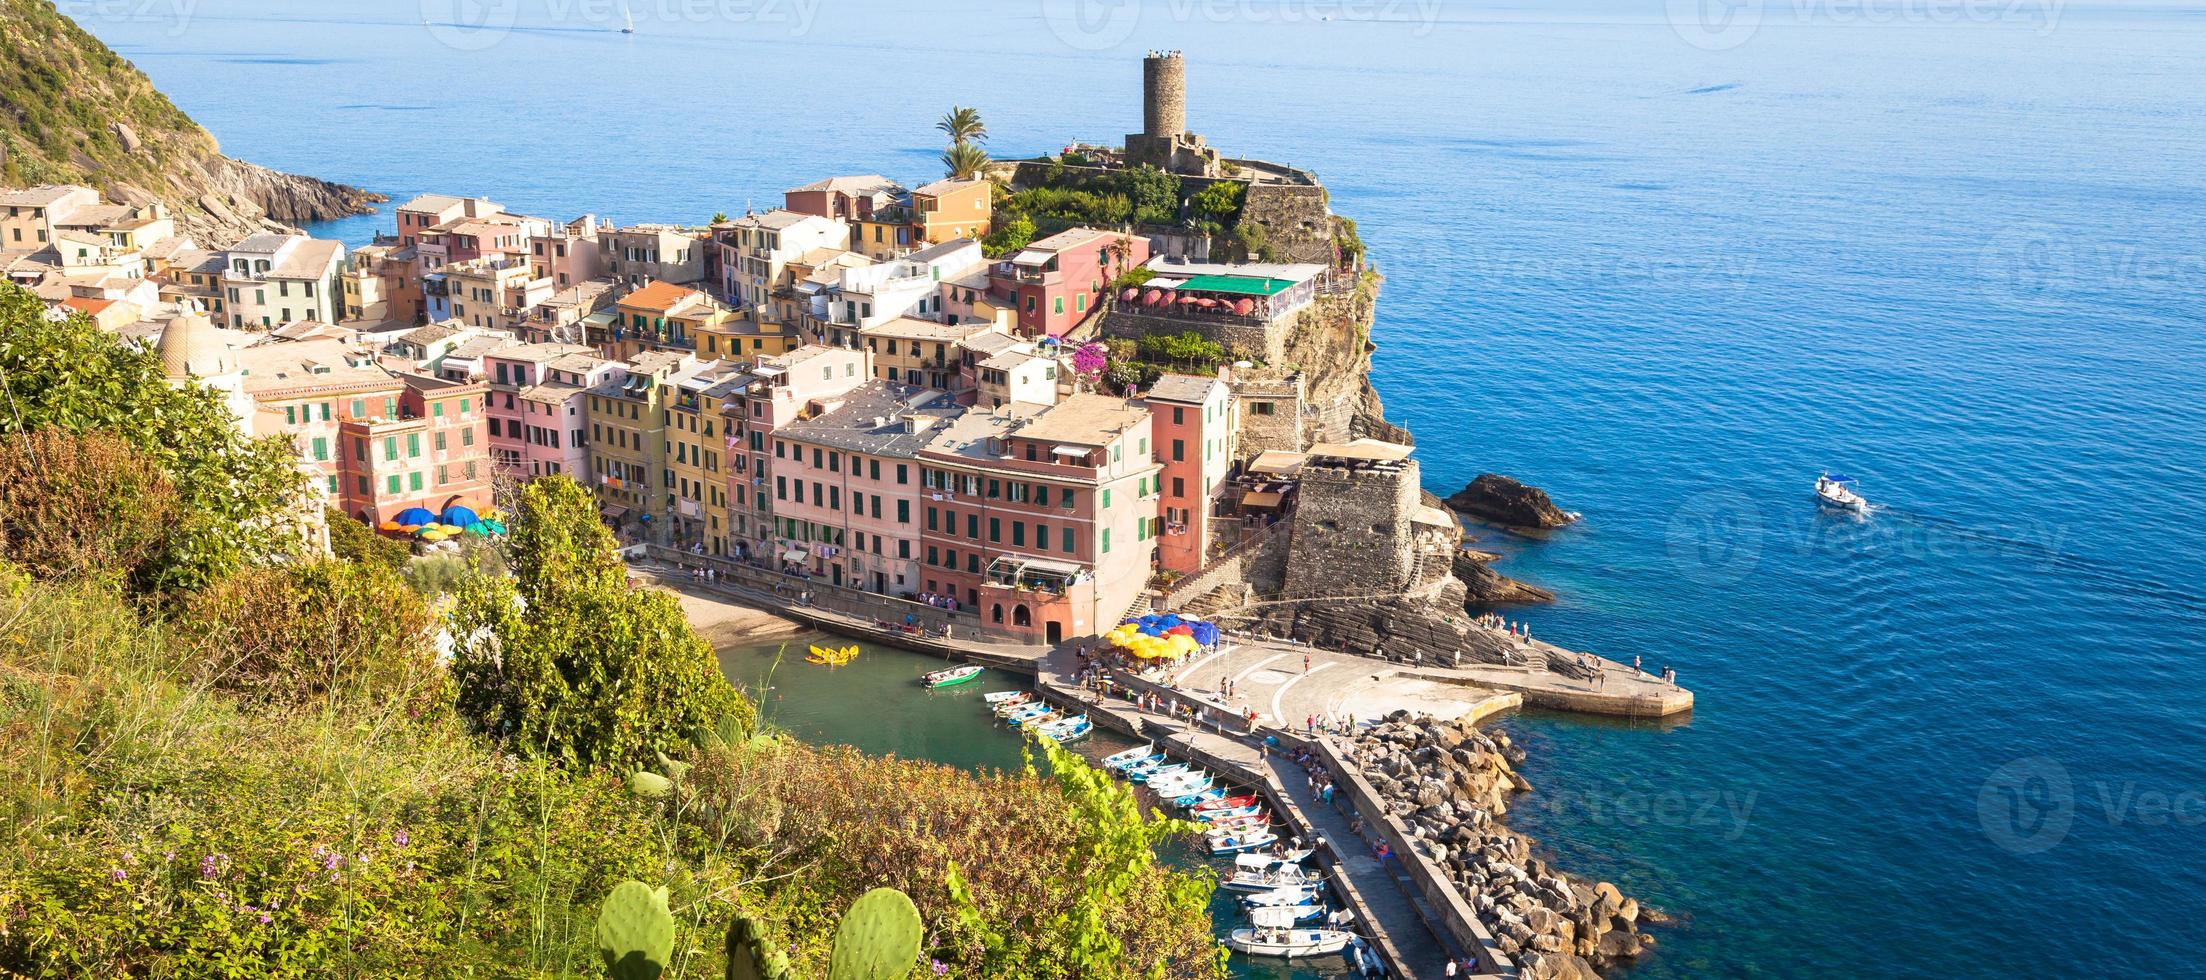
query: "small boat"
1068, 729
1216, 814
1181, 787
628, 20
1273, 934
1275, 861
1027, 711
1297, 895
1235, 825
1249, 841
961, 674
1190, 800
1249, 880
1226, 803
1158, 772
1162, 783
1838, 491
1047, 716
1008, 705
832, 657
999, 697
1152, 759
1129, 757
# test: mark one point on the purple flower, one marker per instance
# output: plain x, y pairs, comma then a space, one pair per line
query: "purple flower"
264, 919
213, 864
941, 969
400, 837
118, 874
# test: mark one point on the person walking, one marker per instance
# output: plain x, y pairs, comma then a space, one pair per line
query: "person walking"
1635, 665
1305, 663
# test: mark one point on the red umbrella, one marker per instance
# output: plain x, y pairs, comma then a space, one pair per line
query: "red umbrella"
1129, 294
1244, 306
1152, 297
1206, 302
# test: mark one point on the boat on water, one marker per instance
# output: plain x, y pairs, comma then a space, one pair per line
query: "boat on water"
1235, 825
1158, 773
1242, 840
1025, 711
1001, 697
1226, 803
627, 19
1273, 860
1067, 729
961, 674
1840, 492
1293, 895
1215, 814
1175, 784
1047, 716
832, 657
1152, 759
1248, 880
1129, 757
1272, 932
1189, 800
1004, 708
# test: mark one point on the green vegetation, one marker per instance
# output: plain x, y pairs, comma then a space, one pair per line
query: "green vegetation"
228, 491
964, 161
1134, 196
1139, 363
61, 91
963, 125
262, 770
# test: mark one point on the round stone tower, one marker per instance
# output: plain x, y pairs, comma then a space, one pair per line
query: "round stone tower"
1164, 94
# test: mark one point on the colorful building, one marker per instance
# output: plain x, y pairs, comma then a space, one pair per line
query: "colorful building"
947, 210
1196, 431
1042, 519
781, 390
269, 280
846, 486
1056, 283
627, 415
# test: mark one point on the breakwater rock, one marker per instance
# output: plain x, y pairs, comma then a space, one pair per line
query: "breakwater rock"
1486, 587
1497, 498
1450, 784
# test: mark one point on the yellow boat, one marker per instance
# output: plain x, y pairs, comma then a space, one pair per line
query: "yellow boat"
832, 658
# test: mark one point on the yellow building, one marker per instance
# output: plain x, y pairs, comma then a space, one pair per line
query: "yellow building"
948, 210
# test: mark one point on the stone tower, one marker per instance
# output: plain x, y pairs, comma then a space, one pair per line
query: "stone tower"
1352, 524
1163, 95
1164, 142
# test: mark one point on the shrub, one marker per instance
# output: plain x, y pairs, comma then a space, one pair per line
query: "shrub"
82, 505
351, 540
290, 635
565, 659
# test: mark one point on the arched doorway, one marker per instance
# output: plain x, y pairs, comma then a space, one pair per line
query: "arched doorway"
1020, 617
995, 613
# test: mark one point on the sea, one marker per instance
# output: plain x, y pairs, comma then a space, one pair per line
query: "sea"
1668, 260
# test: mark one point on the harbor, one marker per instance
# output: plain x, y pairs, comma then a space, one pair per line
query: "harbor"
1241, 710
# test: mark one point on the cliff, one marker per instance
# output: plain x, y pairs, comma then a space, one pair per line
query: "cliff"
72, 111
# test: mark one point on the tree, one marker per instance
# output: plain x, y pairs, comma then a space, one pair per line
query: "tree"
964, 161
231, 490
719, 217
963, 126
351, 540
565, 659
1009, 236
1154, 193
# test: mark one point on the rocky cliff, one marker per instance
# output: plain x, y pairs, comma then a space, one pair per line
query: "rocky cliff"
72, 111
1502, 500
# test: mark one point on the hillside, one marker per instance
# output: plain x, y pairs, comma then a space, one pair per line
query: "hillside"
74, 111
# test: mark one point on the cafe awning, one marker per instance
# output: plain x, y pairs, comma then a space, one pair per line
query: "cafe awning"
1261, 498
794, 554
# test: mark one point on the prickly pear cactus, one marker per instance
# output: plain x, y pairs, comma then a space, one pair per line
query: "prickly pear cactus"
748, 957
635, 932
675, 769
879, 938
649, 785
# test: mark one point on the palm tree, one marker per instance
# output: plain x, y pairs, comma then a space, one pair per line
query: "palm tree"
964, 161
963, 126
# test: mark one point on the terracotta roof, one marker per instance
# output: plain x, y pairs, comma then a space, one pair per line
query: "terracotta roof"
660, 296
87, 304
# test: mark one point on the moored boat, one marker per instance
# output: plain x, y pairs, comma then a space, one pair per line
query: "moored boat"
1273, 933
1155, 773
1026, 711
961, 674
1226, 813
1186, 800
1153, 759
1251, 880
1242, 841
1001, 697
1067, 729
1226, 803
1234, 825
1128, 757
1007, 706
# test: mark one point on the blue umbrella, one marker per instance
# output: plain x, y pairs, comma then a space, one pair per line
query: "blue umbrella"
416, 515
459, 516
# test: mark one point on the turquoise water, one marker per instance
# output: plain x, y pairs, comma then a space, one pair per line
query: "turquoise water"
1951, 249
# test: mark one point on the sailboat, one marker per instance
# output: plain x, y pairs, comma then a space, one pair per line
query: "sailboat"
628, 18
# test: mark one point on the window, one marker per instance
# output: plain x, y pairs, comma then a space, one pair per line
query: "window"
1106, 498
1068, 541
391, 482
903, 512
413, 480
1106, 541
995, 529
390, 447
321, 449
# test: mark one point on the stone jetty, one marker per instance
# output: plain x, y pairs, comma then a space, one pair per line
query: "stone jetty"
1451, 783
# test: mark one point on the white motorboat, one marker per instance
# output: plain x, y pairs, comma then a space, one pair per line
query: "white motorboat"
999, 697
1214, 816
1279, 859
1159, 773
1301, 895
1067, 729
1152, 759
1839, 492
1246, 880
1192, 781
1273, 933
1242, 840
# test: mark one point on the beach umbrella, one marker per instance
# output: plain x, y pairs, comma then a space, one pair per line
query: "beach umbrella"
1244, 306
389, 526
1129, 294
409, 528
460, 515
416, 516
1152, 297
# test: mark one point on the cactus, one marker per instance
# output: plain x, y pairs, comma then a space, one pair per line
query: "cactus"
635, 932
675, 769
879, 938
748, 957
649, 785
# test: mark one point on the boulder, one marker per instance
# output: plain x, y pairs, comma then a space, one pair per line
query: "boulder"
1607, 898
1497, 498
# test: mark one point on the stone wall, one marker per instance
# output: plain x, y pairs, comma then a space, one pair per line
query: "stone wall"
1352, 534
1245, 339
1282, 428
1296, 220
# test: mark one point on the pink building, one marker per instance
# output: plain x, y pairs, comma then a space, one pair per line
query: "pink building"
1042, 520
846, 493
567, 255
536, 421
1196, 431
843, 198
779, 390
1056, 283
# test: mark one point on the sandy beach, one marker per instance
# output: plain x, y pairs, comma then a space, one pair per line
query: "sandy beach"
724, 622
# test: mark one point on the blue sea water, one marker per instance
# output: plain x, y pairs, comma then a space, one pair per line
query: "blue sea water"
1666, 260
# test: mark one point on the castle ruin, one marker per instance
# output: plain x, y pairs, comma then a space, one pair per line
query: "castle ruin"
1164, 142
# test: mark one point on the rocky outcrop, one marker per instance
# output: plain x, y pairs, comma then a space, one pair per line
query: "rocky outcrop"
1486, 587
1497, 498
1451, 785
123, 137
